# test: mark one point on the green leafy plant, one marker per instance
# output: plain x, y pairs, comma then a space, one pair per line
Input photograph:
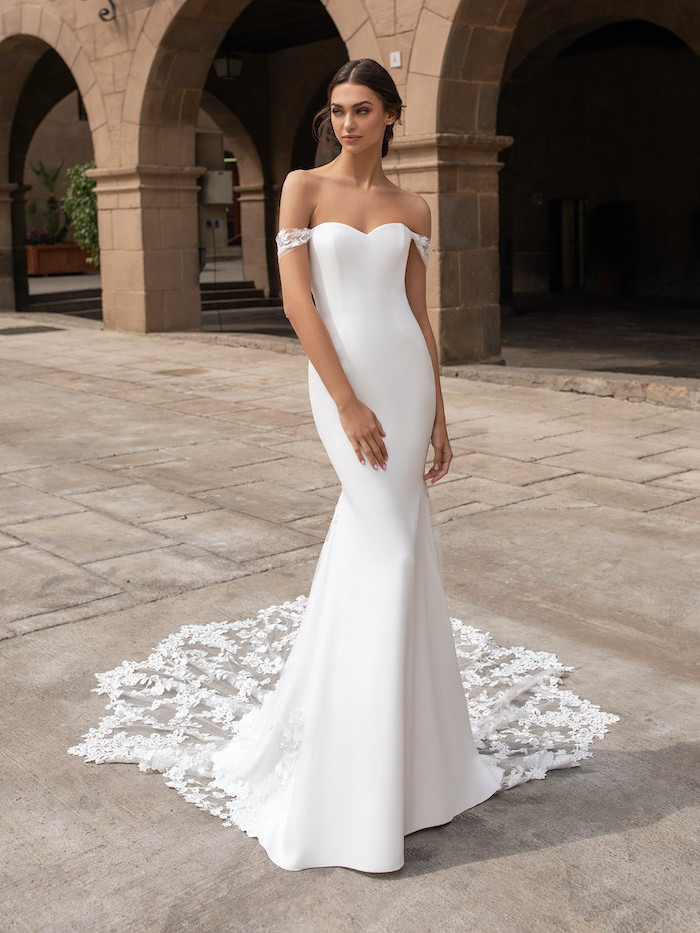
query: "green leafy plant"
51, 229
80, 207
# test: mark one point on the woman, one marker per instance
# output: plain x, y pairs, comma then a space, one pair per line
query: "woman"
366, 736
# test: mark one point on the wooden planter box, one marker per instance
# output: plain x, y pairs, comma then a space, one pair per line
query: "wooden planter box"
56, 259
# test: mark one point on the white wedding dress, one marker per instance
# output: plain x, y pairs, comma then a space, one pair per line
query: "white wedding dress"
331, 727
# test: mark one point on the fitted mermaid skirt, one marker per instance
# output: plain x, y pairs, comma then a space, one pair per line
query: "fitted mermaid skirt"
350, 726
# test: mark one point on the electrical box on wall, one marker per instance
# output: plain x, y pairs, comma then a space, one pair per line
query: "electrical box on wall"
216, 188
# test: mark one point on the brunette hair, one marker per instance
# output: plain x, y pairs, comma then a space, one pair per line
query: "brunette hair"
370, 73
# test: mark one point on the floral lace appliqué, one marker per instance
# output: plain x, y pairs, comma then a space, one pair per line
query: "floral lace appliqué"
206, 684
424, 244
290, 237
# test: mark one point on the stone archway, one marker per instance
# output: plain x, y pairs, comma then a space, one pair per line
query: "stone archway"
594, 197
40, 62
148, 202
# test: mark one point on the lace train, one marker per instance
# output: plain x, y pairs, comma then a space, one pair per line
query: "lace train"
206, 683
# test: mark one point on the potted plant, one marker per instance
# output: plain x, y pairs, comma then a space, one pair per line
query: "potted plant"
48, 253
80, 208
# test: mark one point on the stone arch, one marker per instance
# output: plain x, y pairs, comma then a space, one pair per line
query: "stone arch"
156, 171
561, 244
171, 62
571, 20
33, 40
27, 31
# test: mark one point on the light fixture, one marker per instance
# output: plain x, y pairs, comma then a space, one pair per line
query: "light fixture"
108, 13
227, 67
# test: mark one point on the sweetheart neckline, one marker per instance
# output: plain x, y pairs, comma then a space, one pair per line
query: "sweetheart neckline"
391, 223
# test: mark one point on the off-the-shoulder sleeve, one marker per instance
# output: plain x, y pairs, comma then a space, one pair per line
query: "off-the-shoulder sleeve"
289, 237
424, 244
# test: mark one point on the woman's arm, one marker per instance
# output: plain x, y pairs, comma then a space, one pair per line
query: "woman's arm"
359, 422
416, 294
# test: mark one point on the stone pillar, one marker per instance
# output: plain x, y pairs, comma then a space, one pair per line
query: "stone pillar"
458, 176
149, 238
251, 201
7, 278
18, 251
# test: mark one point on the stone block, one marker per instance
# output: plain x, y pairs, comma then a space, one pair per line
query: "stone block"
65, 479
142, 502
614, 493
421, 104
33, 582
408, 13
458, 222
505, 469
86, 536
615, 466
265, 499
429, 44
19, 503
348, 18
488, 220
487, 114
486, 54
479, 276
479, 12
458, 106
233, 534
161, 572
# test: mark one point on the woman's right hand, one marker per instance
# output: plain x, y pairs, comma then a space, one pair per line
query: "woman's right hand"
364, 432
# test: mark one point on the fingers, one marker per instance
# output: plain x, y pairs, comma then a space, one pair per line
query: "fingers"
441, 464
371, 446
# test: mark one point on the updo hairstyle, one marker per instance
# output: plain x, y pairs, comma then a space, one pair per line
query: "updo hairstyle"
370, 73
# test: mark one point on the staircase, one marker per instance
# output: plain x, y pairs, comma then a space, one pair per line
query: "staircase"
233, 307
83, 302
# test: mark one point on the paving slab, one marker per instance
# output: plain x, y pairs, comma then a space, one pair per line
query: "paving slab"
34, 582
65, 479
19, 503
234, 534
505, 469
142, 502
639, 497
167, 570
86, 536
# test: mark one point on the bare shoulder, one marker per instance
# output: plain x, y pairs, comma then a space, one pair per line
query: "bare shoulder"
416, 210
298, 198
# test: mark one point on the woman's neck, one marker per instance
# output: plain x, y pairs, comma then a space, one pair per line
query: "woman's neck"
363, 170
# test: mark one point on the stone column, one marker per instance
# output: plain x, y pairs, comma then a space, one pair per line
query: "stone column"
149, 238
458, 176
7, 278
17, 237
251, 201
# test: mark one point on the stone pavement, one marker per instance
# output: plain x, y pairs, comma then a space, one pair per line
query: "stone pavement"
150, 482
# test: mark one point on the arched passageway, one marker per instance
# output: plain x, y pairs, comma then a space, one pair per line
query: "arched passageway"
254, 67
598, 190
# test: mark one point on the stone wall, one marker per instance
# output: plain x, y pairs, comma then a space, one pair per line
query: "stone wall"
144, 77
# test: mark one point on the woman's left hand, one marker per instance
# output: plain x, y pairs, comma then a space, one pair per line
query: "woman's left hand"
443, 452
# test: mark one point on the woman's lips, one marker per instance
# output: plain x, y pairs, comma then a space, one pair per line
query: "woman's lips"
351, 137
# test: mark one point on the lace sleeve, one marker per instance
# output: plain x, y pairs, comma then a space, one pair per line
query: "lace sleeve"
289, 237
425, 246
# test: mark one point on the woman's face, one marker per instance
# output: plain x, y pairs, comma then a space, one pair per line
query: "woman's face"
358, 116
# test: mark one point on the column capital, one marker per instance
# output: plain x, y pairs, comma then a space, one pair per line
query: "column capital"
143, 177
435, 150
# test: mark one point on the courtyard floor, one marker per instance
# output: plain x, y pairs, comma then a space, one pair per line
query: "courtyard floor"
152, 482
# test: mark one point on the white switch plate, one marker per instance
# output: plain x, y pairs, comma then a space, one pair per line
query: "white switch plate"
395, 59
